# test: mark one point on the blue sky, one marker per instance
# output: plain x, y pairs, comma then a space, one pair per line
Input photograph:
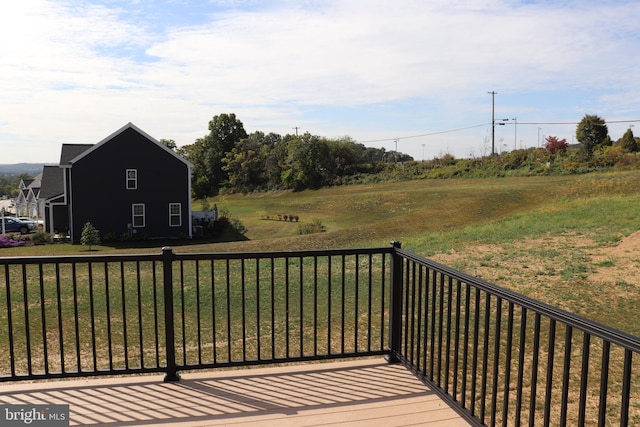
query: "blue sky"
75, 71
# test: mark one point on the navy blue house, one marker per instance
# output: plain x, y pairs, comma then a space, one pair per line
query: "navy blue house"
127, 184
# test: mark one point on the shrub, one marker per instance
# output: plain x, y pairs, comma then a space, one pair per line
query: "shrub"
40, 237
90, 236
314, 227
110, 237
237, 225
8, 242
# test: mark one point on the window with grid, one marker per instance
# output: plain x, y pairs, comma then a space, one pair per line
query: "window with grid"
175, 214
132, 179
137, 218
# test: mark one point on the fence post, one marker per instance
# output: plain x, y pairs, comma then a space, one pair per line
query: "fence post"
171, 373
395, 327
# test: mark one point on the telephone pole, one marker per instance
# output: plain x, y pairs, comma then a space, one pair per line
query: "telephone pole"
296, 128
493, 123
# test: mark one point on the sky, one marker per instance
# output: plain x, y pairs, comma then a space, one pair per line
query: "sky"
415, 76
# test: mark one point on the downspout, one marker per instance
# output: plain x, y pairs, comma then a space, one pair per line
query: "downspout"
70, 204
189, 175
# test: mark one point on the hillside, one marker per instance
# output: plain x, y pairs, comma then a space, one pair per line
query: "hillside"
31, 169
570, 241
374, 214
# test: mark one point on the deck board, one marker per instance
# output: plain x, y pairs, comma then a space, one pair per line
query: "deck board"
365, 392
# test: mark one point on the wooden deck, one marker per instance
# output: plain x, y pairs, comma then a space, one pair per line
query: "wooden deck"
365, 392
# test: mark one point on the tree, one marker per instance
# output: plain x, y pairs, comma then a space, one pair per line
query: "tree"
201, 187
245, 165
555, 145
592, 133
206, 154
225, 131
307, 160
90, 236
628, 141
169, 143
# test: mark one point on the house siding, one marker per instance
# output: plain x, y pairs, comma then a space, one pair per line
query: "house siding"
99, 192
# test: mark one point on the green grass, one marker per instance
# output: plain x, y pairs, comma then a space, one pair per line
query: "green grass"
578, 215
535, 235
439, 217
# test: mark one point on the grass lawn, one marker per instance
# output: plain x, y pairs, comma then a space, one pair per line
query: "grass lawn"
570, 241
552, 238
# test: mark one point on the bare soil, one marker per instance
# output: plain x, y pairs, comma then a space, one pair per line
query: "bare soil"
529, 259
572, 272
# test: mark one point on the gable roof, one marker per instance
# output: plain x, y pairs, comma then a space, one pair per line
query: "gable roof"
71, 151
52, 182
25, 183
36, 182
129, 125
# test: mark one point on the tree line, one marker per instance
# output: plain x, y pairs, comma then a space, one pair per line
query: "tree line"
229, 159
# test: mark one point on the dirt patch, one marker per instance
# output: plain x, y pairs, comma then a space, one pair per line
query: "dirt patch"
619, 263
523, 264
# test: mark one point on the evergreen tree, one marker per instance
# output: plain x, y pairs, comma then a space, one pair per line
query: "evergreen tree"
90, 236
592, 133
628, 142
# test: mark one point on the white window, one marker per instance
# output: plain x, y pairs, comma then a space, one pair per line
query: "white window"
137, 218
175, 214
132, 179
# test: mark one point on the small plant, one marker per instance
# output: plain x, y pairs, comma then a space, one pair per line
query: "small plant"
8, 242
314, 227
237, 225
110, 237
90, 235
40, 237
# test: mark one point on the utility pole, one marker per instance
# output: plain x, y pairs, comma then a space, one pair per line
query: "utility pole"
515, 133
539, 129
296, 128
395, 155
493, 123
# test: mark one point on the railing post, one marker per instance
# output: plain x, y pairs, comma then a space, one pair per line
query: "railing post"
395, 327
171, 373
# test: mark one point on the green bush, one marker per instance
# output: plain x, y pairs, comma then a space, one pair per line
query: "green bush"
314, 227
40, 237
90, 235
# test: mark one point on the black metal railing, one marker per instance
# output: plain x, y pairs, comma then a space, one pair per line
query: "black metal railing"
103, 315
500, 357
507, 359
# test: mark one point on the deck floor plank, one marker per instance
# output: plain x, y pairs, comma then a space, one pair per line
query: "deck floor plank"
365, 392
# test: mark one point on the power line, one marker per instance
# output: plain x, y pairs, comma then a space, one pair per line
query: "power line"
486, 124
575, 123
425, 134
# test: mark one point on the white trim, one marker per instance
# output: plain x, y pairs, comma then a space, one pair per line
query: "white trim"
178, 215
141, 132
133, 215
134, 180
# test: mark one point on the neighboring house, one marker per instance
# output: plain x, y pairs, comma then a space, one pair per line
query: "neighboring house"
53, 201
27, 200
127, 184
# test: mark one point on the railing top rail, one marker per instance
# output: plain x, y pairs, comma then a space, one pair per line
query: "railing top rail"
604, 332
62, 259
284, 254
68, 259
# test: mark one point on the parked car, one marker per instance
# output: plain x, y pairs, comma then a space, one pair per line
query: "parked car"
35, 222
14, 225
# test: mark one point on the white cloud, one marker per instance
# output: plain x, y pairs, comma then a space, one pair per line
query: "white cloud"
74, 72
